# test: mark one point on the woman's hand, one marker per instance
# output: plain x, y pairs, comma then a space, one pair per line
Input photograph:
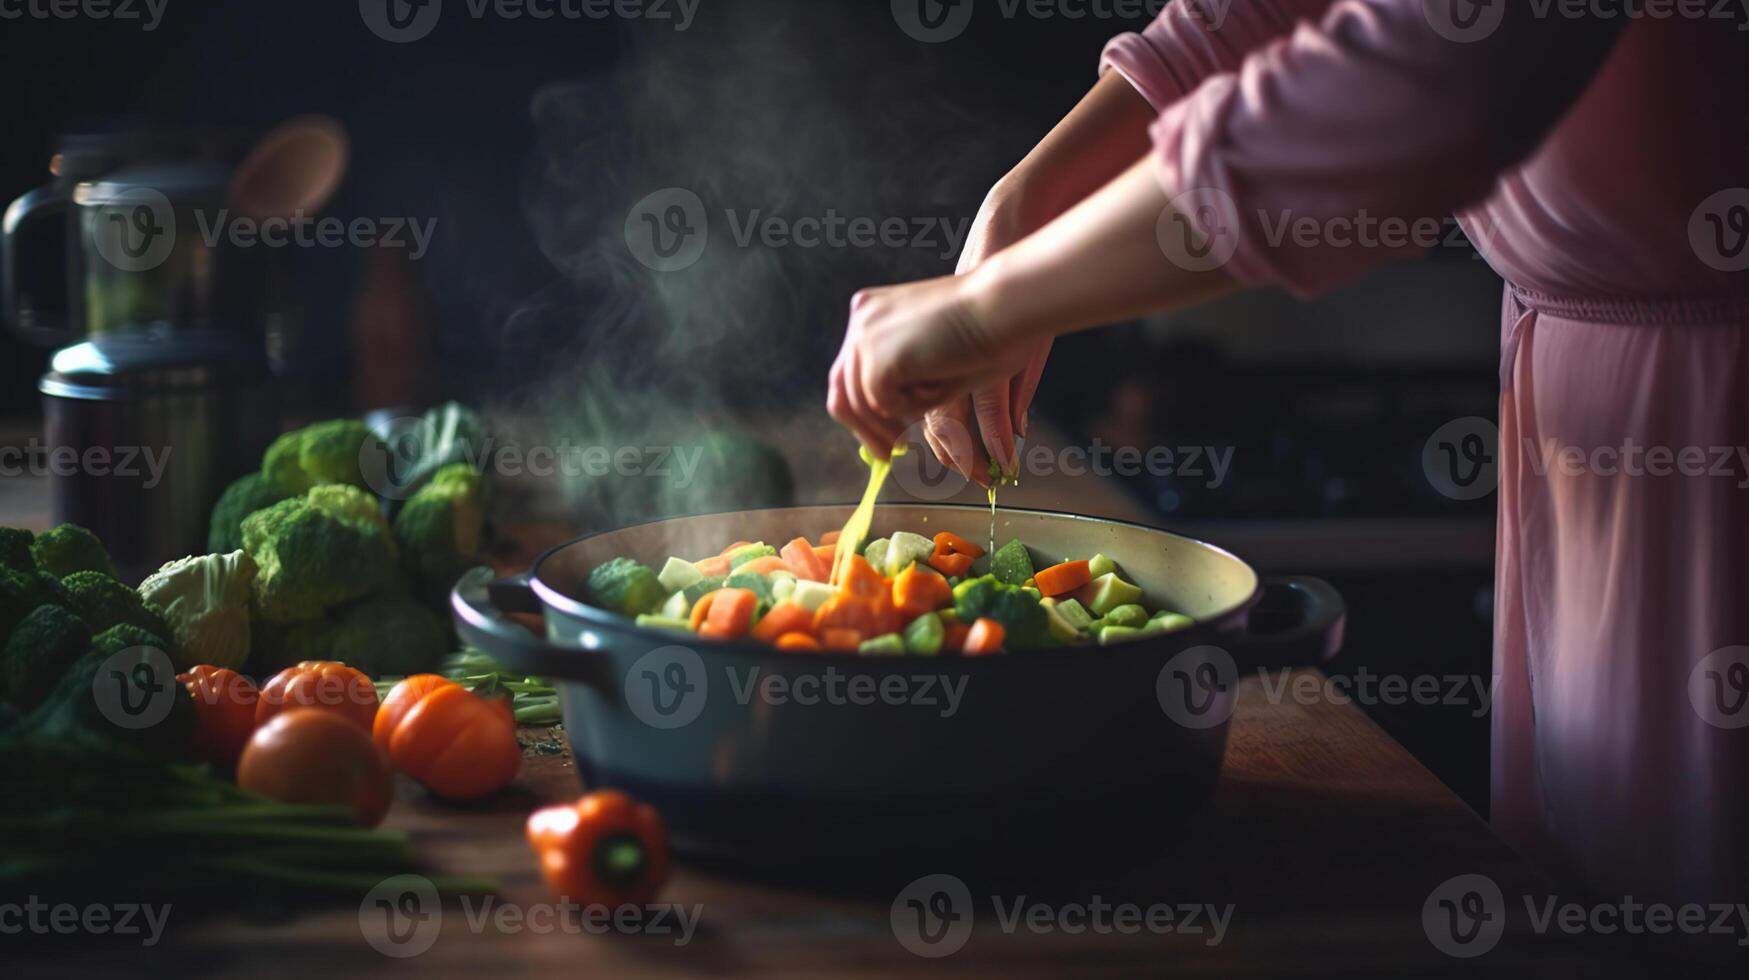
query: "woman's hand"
995, 412
912, 347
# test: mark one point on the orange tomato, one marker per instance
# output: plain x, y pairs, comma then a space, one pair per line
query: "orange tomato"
457, 744
224, 713
605, 849
402, 697
312, 755
325, 684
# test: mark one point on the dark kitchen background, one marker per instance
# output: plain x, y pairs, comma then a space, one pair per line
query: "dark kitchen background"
527, 141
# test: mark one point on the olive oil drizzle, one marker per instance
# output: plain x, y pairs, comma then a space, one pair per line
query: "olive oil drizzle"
856, 529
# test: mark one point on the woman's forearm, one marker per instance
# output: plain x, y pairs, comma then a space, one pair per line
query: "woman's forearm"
1105, 132
1099, 262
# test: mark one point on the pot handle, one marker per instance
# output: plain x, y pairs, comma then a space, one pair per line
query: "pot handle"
1298, 622
480, 606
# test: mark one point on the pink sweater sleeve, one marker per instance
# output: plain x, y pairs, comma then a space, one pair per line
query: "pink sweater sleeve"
1369, 115
1193, 39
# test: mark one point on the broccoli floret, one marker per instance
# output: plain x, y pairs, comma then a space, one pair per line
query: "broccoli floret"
71, 716
624, 586
326, 452
39, 651
69, 548
388, 637
206, 603
125, 637
103, 601
15, 549
242, 498
20, 592
326, 547
1021, 616
439, 529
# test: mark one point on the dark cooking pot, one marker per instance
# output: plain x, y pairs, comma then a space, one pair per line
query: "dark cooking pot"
752, 753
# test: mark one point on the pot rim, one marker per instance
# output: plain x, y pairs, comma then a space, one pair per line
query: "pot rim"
1205, 630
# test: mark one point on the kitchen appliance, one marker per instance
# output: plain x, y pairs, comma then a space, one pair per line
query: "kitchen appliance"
143, 430
752, 760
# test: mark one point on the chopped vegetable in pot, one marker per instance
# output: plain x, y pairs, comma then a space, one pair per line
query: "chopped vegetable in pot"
901, 595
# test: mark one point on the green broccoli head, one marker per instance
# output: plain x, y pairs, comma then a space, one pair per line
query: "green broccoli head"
439, 529
41, 648
242, 498
20, 592
103, 601
1021, 615
125, 637
70, 715
206, 602
326, 547
15, 549
69, 548
624, 586
388, 637
326, 452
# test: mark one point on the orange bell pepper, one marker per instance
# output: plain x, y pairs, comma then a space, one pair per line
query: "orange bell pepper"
953, 639
457, 744
606, 849
860, 578
950, 563
830, 537
797, 641
841, 640
917, 591
985, 637
953, 544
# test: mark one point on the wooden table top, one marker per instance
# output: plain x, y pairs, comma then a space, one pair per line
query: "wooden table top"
1322, 844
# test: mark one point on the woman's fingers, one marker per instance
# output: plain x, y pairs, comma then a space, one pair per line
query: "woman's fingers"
996, 423
949, 431
1025, 385
877, 431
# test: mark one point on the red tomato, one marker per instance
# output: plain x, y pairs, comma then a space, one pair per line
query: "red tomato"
325, 684
312, 755
224, 713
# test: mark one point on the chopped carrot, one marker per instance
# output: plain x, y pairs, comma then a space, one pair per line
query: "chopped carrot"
738, 544
799, 556
1066, 577
860, 578
731, 614
885, 617
830, 537
986, 637
917, 591
702, 608
765, 565
953, 637
844, 611
785, 617
713, 567
953, 544
950, 563
841, 640
797, 641
827, 554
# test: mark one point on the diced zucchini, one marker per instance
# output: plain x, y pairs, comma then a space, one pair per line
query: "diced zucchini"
1108, 592
676, 607
1075, 613
1012, 563
1029, 590
924, 634
811, 595
678, 573
1100, 565
904, 548
1128, 614
664, 623
1171, 622
783, 585
885, 645
1059, 627
757, 584
876, 553
747, 552
1117, 634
